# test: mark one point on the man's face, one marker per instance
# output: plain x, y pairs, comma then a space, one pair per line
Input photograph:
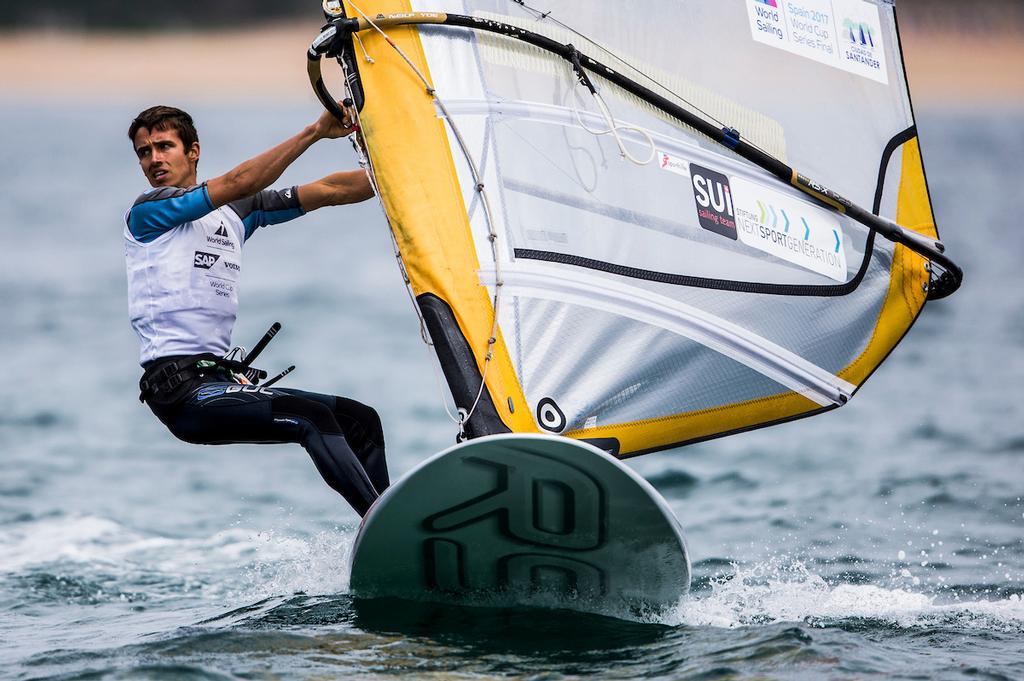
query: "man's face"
164, 159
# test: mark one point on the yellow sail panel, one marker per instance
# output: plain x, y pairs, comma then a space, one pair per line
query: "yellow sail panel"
410, 156
908, 286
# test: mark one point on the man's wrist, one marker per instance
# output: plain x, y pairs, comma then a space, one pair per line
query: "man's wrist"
312, 133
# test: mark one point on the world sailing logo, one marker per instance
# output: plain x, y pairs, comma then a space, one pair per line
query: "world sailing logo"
767, 20
714, 201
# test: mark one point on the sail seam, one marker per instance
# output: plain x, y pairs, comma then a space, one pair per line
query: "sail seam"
682, 279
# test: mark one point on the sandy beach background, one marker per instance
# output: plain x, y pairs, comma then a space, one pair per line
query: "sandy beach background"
963, 56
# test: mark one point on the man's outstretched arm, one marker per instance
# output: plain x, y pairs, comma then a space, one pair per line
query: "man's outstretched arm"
334, 190
261, 171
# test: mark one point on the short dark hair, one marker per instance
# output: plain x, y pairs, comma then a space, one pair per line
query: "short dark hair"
166, 118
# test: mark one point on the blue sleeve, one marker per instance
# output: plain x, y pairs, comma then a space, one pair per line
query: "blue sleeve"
162, 209
269, 207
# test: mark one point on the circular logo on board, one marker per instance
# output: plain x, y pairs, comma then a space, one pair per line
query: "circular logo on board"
549, 416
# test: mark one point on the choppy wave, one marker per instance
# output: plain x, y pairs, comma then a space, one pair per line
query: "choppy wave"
780, 591
88, 559
84, 558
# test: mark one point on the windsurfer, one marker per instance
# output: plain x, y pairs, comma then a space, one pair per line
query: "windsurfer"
183, 247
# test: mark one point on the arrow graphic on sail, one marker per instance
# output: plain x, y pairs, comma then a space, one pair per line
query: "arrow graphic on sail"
807, 229
786, 217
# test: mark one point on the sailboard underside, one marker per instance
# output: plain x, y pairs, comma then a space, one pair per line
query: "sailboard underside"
534, 520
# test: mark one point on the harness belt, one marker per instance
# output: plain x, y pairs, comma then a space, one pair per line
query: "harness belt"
167, 380
164, 379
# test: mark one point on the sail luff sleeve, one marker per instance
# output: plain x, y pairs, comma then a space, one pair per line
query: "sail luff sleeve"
413, 164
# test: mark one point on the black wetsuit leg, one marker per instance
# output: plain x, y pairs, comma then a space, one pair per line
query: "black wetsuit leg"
362, 429
227, 413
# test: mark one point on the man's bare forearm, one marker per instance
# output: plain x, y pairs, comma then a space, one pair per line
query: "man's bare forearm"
261, 171
335, 190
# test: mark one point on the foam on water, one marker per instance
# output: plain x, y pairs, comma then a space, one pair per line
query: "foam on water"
96, 540
57, 538
240, 566
286, 565
781, 590
248, 564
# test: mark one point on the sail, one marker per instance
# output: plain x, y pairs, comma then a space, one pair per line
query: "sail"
592, 258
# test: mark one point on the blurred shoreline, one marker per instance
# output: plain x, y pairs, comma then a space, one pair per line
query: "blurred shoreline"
951, 63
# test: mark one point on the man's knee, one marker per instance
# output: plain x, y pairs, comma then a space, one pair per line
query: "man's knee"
315, 413
365, 415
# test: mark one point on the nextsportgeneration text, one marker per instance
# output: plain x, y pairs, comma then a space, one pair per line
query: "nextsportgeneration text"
805, 248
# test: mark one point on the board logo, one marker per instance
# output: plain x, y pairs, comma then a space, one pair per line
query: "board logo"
550, 515
714, 201
205, 261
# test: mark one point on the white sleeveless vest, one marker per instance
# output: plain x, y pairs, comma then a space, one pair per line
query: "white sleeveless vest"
183, 286
184, 261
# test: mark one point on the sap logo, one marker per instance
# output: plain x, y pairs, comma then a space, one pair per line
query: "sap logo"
232, 266
205, 261
714, 201
248, 389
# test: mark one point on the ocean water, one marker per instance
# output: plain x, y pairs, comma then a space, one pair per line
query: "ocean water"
882, 540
